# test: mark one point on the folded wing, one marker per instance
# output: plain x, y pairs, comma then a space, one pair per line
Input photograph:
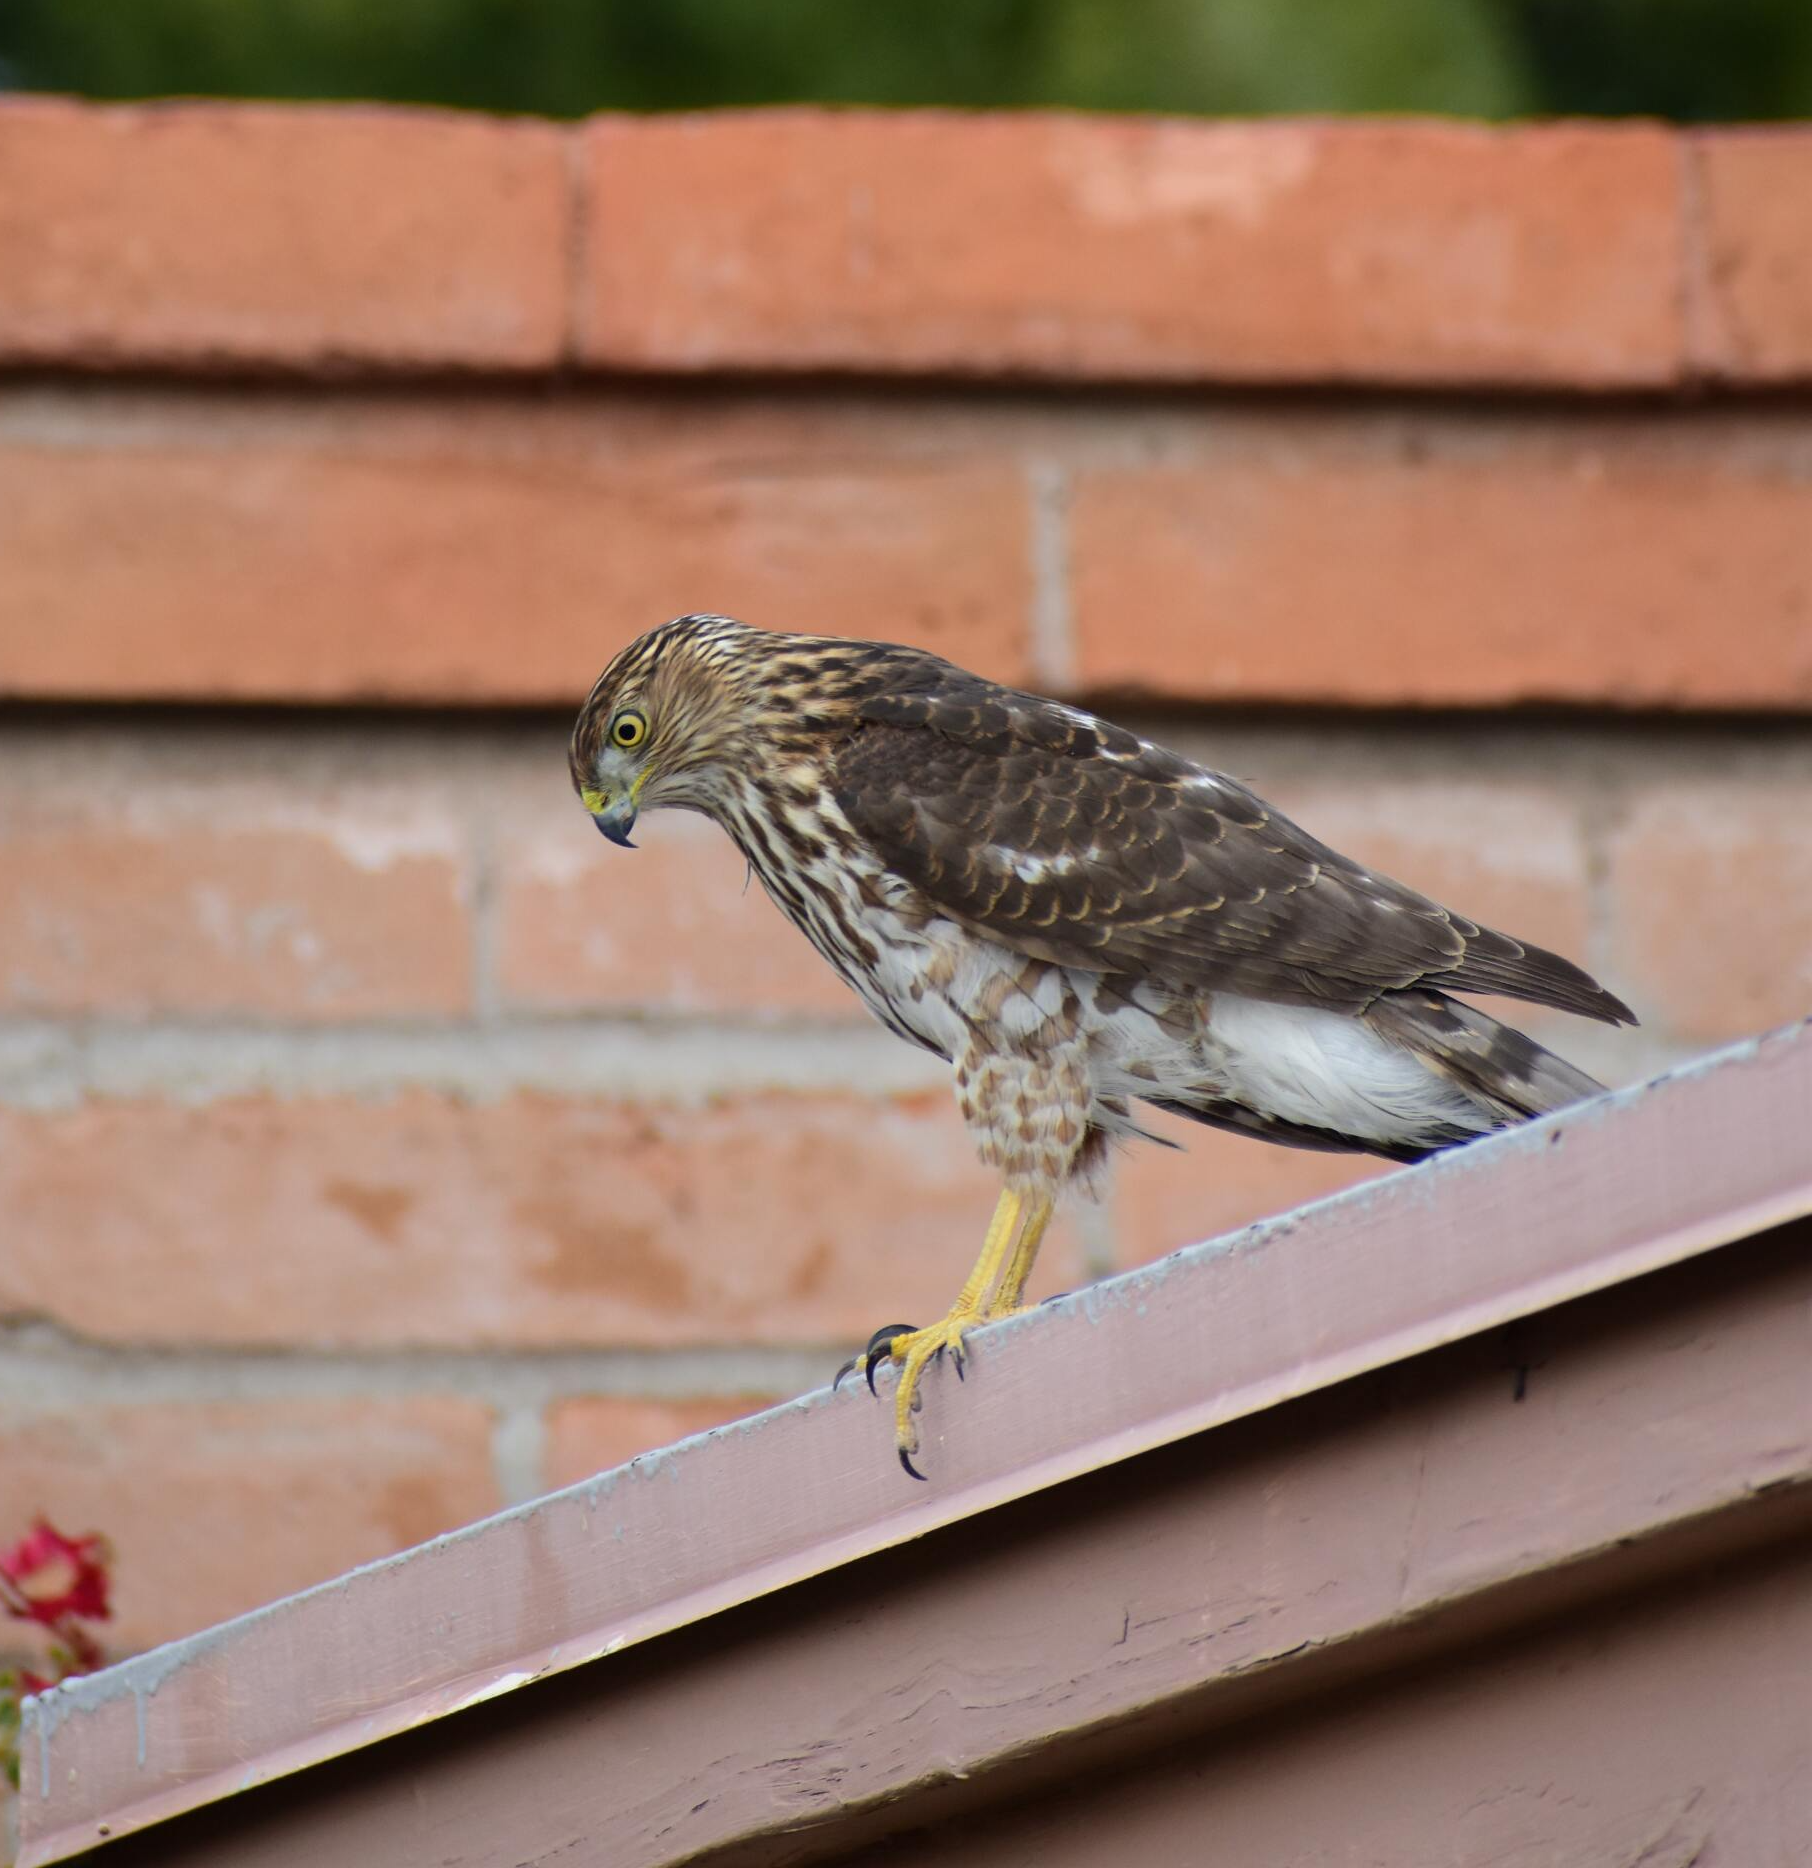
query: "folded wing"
1075, 841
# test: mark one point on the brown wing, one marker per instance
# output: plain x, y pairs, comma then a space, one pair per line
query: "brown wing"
1075, 841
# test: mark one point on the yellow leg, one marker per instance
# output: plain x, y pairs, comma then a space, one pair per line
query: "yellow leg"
1001, 1228
1012, 1293
914, 1349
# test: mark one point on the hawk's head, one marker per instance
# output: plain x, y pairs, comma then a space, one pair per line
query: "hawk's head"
678, 713
706, 713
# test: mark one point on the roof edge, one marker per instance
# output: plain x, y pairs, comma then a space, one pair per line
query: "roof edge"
1590, 1197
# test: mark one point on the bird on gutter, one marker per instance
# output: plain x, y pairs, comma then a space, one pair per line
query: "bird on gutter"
1075, 919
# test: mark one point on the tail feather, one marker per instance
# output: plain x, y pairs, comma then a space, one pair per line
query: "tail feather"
1216, 1112
1496, 1065
1496, 963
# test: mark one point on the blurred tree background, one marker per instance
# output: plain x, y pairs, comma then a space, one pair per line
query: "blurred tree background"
1685, 59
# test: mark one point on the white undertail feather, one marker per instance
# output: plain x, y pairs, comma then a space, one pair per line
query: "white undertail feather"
1326, 1071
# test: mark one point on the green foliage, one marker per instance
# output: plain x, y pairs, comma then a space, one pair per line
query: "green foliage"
1693, 60
1244, 57
1689, 59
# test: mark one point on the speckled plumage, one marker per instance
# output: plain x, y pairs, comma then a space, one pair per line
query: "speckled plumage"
1075, 918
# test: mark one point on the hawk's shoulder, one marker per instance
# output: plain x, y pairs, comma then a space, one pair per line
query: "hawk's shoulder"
945, 701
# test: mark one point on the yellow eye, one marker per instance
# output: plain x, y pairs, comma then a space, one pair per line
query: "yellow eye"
628, 729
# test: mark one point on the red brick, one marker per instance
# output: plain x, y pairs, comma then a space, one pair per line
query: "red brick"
679, 928
530, 1221
429, 553
214, 1508
1754, 267
235, 234
1712, 906
1216, 1183
230, 898
1465, 563
1072, 246
595, 1432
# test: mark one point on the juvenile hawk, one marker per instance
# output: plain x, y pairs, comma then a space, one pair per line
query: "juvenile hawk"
1073, 918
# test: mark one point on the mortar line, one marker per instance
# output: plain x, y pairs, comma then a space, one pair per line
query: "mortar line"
1098, 1229
576, 244
519, 1453
46, 1370
1602, 807
48, 1063
1053, 642
1706, 326
481, 946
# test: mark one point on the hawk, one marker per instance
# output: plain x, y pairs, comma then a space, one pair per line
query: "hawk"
1074, 918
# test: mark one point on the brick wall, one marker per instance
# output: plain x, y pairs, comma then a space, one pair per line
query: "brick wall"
375, 1146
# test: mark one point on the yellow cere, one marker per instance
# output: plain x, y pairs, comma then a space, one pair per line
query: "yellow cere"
594, 801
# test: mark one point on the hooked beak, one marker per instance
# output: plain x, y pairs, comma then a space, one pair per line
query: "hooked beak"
617, 820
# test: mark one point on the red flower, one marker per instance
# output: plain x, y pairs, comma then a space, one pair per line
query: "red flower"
30, 1682
55, 1576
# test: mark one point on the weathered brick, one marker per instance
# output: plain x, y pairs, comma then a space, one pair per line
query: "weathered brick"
535, 1220
216, 1507
1754, 260
1712, 905
426, 552
1447, 562
230, 897
1072, 246
592, 1433
246, 234
677, 929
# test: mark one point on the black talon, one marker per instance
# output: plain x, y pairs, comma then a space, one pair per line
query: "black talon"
878, 1344
837, 1379
912, 1470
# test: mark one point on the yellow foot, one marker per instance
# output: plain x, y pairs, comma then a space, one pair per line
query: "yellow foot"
1006, 1258
914, 1351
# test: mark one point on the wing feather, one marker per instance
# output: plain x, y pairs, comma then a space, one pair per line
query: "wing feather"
1078, 842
